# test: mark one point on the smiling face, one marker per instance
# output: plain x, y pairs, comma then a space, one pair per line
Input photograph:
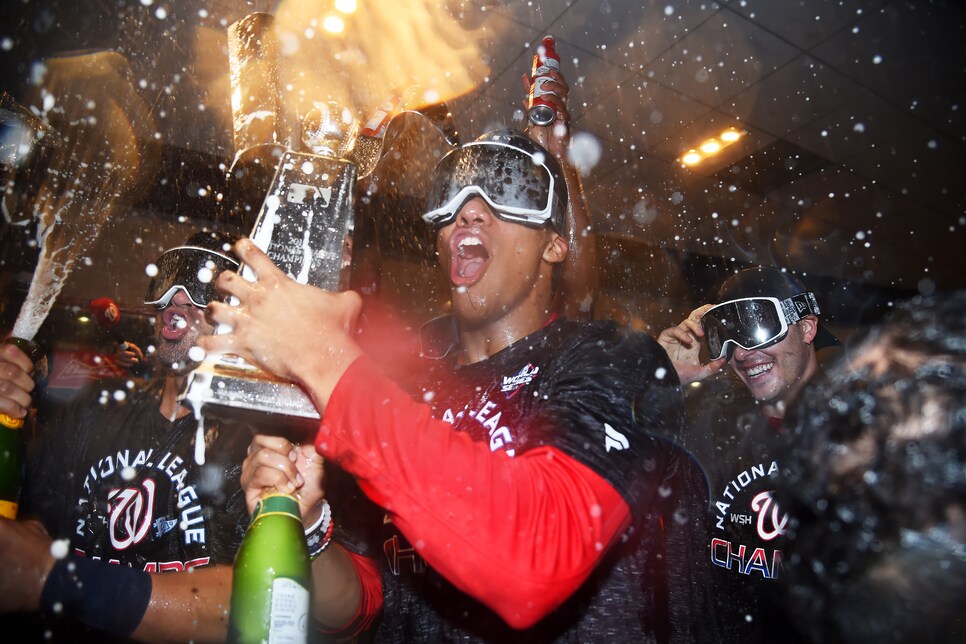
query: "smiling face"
497, 269
775, 374
178, 327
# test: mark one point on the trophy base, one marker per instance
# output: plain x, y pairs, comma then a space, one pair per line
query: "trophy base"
231, 388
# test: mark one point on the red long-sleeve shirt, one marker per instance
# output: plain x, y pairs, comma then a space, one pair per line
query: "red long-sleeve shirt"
518, 534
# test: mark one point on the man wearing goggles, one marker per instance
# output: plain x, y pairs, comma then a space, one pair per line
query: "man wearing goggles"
766, 327
751, 323
521, 409
495, 256
119, 477
181, 288
521, 182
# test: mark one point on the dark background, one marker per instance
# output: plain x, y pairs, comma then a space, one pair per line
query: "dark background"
850, 174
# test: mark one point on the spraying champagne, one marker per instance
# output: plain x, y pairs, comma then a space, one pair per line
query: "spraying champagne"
70, 191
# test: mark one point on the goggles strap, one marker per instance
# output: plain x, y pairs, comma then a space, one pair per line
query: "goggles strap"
798, 306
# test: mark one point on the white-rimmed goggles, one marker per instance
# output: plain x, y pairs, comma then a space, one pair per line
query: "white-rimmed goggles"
516, 184
191, 269
753, 322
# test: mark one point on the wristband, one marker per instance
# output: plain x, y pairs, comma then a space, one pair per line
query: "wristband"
318, 537
108, 597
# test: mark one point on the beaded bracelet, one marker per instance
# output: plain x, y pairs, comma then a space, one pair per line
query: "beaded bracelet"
319, 536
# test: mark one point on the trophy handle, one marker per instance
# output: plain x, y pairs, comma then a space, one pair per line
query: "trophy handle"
368, 151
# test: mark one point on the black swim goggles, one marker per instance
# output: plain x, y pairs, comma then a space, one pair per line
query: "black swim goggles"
516, 183
753, 322
191, 269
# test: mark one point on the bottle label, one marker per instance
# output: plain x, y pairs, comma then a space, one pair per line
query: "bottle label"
538, 89
290, 612
377, 123
8, 509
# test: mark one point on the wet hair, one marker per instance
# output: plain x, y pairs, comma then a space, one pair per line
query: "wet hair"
876, 484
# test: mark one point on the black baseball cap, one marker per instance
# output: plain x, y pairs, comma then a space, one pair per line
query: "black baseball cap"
769, 281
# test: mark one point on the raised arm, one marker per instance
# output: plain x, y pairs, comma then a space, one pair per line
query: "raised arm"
575, 298
563, 515
529, 530
684, 348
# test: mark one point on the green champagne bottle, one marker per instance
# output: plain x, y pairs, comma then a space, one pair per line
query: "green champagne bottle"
272, 576
12, 446
11, 464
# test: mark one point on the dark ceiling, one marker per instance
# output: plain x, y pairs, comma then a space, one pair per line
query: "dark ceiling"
850, 170
853, 164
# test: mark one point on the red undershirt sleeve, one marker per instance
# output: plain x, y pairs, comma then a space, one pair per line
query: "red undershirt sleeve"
370, 602
518, 534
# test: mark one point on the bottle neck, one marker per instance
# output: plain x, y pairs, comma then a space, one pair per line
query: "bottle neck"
30, 348
277, 503
35, 354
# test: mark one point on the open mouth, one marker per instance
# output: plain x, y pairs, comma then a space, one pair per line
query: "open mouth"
469, 258
175, 325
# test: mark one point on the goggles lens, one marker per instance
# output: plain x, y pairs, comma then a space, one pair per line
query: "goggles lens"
515, 184
749, 323
190, 269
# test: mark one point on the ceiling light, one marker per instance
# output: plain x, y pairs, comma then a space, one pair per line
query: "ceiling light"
83, 319
711, 146
345, 6
691, 157
333, 24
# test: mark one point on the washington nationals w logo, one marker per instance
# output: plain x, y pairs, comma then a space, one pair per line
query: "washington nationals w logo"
761, 504
131, 511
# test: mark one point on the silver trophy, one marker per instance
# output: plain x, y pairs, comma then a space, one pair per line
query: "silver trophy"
304, 223
304, 226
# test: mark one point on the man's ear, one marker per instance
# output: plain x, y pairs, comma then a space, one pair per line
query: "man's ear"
809, 325
556, 249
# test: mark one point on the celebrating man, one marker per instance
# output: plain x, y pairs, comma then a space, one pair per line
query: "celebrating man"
520, 483
766, 327
130, 485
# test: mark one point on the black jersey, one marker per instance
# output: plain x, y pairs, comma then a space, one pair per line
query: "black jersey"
121, 482
584, 388
595, 393
746, 542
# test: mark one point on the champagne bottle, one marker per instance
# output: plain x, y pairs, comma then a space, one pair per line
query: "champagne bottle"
12, 446
272, 576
